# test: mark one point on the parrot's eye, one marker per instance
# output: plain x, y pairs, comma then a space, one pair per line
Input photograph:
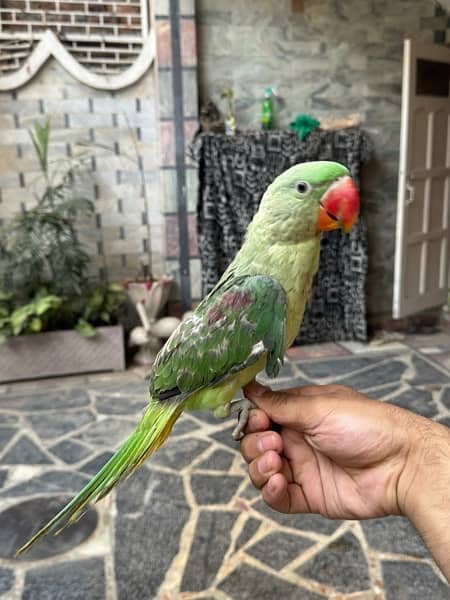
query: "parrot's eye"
303, 187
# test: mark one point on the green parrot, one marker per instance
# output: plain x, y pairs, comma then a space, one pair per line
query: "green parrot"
243, 326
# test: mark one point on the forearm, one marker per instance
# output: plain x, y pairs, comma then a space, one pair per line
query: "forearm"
426, 493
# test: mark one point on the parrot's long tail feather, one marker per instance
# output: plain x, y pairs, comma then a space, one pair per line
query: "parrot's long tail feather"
150, 434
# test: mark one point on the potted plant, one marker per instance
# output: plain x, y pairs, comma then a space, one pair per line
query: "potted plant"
54, 319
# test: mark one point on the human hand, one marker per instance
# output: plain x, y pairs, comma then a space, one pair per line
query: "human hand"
337, 453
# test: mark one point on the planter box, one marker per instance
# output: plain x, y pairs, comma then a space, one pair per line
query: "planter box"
61, 353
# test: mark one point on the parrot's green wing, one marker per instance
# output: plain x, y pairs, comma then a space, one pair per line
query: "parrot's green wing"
232, 328
241, 320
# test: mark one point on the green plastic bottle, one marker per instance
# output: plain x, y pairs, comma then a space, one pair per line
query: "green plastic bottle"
267, 109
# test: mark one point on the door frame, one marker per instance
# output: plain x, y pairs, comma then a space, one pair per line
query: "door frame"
401, 306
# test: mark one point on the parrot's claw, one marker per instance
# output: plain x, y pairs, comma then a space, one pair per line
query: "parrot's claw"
243, 408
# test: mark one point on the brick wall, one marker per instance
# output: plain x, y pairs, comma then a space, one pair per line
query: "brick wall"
105, 37
113, 17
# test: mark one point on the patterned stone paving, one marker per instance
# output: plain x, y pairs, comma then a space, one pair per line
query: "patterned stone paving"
189, 525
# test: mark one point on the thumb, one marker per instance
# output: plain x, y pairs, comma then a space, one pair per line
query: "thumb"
280, 406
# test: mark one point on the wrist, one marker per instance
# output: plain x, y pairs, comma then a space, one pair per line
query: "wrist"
424, 486
426, 472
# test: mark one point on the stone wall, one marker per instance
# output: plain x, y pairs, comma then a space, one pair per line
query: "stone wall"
337, 57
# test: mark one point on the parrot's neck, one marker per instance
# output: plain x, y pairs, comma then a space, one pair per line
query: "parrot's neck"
293, 265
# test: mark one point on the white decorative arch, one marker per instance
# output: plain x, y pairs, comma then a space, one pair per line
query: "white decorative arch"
49, 45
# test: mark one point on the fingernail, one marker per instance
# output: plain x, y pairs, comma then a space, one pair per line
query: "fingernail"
271, 486
266, 442
264, 464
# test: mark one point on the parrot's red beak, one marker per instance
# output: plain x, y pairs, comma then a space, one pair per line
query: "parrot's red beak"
339, 206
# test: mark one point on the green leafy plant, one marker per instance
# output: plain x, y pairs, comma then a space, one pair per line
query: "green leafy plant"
43, 262
101, 307
28, 318
5, 312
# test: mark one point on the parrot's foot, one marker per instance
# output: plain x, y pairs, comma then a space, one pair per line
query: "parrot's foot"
243, 408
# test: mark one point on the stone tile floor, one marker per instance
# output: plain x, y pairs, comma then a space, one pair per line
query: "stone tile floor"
189, 525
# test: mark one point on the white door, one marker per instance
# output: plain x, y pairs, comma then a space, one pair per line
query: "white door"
422, 232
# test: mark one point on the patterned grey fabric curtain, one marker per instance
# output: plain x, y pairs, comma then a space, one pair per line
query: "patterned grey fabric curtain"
234, 172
